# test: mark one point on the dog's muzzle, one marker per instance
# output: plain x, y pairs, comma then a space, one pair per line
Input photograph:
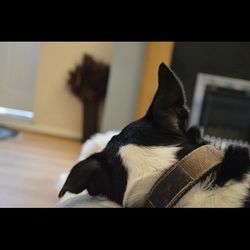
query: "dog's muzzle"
182, 176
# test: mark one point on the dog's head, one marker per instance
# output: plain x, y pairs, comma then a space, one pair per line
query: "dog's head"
133, 160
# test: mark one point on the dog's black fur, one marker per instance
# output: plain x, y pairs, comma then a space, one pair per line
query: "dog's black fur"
165, 123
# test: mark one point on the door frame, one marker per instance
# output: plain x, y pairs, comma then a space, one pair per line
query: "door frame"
156, 53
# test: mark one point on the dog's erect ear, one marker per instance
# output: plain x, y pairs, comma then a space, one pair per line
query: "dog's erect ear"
169, 104
87, 174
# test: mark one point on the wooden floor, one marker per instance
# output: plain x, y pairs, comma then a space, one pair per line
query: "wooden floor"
30, 166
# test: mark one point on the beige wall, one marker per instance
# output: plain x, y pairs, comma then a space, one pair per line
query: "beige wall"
56, 110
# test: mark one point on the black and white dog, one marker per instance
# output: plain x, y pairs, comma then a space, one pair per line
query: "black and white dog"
133, 160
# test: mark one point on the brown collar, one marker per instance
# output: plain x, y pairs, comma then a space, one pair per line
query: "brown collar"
181, 177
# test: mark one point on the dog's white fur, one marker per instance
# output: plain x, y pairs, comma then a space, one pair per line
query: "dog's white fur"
144, 166
232, 194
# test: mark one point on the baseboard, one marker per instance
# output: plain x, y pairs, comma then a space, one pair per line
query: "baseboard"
27, 125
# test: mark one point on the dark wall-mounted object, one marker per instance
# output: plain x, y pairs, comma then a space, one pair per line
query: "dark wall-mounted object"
229, 59
89, 83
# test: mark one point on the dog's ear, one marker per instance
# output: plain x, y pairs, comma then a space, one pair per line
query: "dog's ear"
168, 108
87, 174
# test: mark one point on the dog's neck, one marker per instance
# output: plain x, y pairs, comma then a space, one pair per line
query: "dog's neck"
145, 165
203, 195
179, 179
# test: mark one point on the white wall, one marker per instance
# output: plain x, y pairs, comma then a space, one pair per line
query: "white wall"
124, 85
56, 110
18, 73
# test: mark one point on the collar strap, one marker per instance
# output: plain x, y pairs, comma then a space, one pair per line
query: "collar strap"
181, 177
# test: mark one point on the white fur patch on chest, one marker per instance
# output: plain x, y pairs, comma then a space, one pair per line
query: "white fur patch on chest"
144, 166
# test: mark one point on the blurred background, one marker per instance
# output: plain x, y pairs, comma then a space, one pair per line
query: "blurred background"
55, 95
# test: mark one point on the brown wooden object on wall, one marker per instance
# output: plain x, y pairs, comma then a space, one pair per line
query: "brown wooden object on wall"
89, 83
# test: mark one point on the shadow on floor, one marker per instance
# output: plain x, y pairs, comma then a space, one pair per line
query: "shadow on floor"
6, 133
